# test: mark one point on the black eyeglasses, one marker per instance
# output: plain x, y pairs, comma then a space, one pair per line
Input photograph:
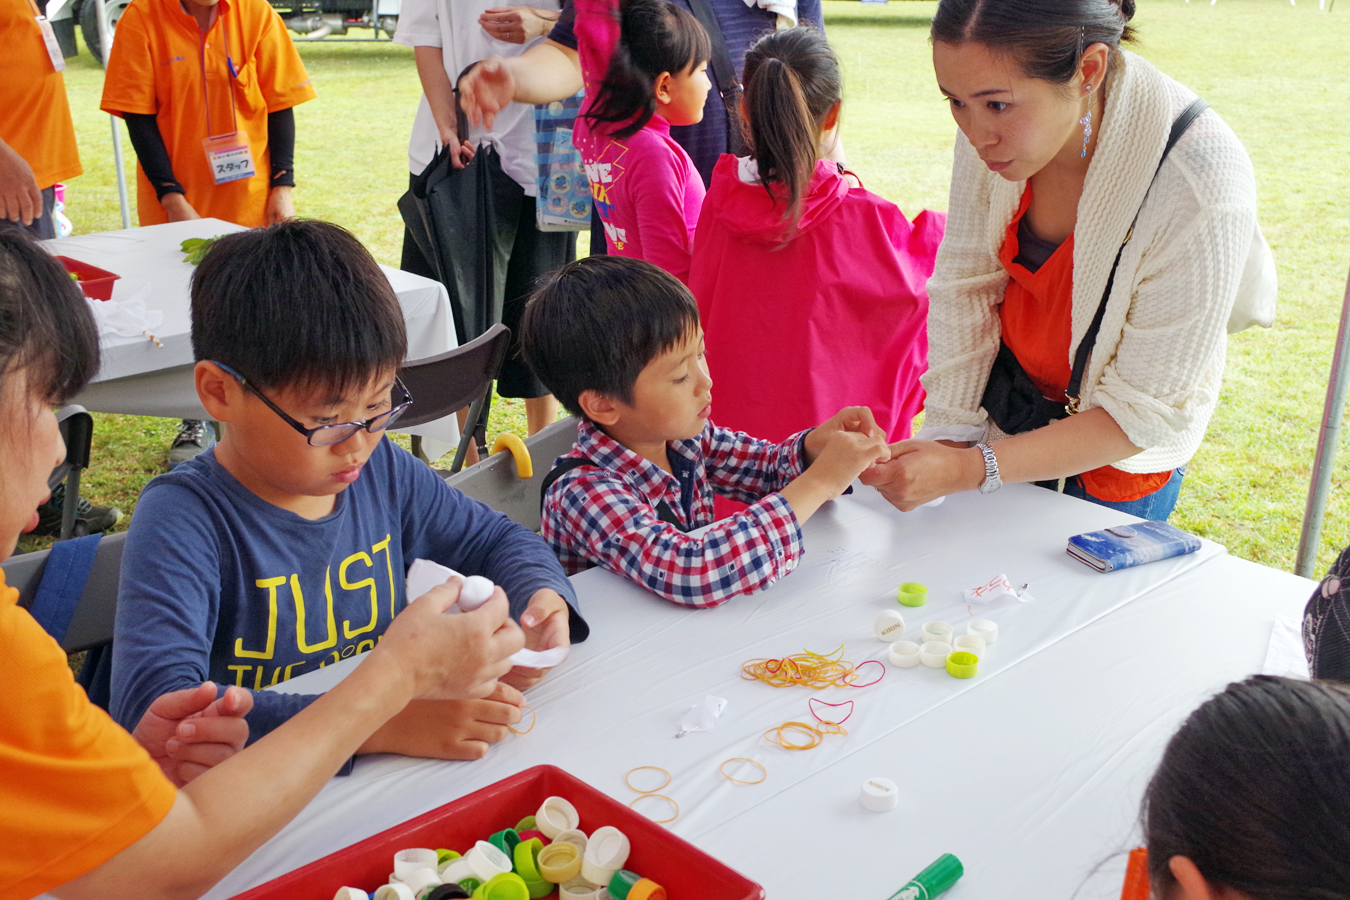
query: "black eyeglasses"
327, 435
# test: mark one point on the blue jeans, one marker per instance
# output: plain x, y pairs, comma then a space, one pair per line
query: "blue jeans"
1156, 506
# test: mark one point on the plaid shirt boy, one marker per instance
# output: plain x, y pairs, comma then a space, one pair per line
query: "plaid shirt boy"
607, 514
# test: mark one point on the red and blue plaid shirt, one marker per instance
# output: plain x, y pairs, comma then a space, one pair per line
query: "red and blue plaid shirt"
606, 514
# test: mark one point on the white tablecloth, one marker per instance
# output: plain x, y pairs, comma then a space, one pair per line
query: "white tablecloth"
1031, 772
139, 378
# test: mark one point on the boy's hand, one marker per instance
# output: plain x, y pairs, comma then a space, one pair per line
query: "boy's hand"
486, 90
920, 471
448, 729
857, 419
545, 622
188, 732
844, 457
456, 657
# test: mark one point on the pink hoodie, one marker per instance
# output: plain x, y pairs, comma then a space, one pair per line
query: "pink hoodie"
645, 186
836, 317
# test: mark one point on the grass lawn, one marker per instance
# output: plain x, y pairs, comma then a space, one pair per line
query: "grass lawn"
1246, 487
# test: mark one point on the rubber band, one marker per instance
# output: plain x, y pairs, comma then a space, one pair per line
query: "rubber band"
649, 790
723, 769
642, 797
534, 717
850, 679
810, 705
814, 736
808, 669
831, 728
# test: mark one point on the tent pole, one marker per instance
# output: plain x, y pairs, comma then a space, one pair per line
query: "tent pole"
1327, 443
105, 43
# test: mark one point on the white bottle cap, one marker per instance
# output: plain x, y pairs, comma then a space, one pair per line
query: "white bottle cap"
970, 643
408, 861
905, 654
933, 654
889, 626
985, 628
880, 794
937, 631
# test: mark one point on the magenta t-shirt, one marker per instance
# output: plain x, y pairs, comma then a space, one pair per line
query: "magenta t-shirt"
645, 186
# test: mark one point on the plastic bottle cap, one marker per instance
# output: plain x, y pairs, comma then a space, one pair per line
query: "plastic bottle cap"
937, 631
969, 643
985, 628
905, 654
889, 626
963, 665
911, 593
933, 654
880, 794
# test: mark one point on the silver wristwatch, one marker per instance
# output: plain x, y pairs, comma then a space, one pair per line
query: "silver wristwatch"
991, 480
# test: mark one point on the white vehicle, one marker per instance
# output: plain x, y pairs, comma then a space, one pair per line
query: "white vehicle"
316, 19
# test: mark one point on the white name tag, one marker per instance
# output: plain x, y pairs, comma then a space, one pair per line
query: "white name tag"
229, 157
53, 48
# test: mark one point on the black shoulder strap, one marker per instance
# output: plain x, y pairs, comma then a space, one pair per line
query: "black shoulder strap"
663, 510
1080, 358
724, 73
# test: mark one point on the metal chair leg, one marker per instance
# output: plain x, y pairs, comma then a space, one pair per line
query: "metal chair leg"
470, 426
70, 505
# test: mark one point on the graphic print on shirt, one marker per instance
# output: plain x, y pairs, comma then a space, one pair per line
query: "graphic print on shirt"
367, 588
603, 176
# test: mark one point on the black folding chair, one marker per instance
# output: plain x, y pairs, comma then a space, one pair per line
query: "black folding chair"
443, 384
77, 430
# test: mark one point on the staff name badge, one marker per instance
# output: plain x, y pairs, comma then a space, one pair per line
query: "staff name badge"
53, 48
229, 157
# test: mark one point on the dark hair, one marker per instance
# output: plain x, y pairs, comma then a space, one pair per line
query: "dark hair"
598, 322
298, 303
1047, 37
1255, 790
46, 328
655, 37
792, 82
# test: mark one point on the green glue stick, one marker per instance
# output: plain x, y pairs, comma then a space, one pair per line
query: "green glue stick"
932, 881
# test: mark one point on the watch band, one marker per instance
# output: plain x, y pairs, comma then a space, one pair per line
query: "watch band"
991, 480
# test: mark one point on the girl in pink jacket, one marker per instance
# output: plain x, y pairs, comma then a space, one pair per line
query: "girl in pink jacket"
644, 64
811, 289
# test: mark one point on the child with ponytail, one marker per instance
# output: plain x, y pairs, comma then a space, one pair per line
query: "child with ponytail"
811, 288
644, 64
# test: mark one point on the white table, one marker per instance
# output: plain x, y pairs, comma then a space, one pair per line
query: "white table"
139, 378
1031, 772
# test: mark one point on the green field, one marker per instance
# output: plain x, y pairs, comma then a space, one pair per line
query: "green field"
1247, 486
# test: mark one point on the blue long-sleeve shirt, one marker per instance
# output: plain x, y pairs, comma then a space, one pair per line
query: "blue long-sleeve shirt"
217, 584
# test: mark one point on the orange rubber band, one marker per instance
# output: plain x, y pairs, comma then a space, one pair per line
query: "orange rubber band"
723, 769
642, 797
816, 671
814, 736
649, 790
534, 717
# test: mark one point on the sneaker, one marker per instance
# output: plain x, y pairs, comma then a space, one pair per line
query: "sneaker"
89, 519
194, 436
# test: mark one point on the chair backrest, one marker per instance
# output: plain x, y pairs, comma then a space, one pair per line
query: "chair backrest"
92, 624
494, 480
450, 381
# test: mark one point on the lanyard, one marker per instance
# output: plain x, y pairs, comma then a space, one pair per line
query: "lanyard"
229, 63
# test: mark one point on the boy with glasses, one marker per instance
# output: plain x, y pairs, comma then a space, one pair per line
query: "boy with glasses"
285, 548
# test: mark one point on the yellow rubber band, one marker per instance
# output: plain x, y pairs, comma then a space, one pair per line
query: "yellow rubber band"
627, 781
534, 717
723, 769
660, 797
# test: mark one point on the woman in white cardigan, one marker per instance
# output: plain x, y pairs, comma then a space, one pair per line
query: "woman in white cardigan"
1061, 133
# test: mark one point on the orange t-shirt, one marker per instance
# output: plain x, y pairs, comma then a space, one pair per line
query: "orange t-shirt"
1037, 318
161, 64
34, 111
75, 788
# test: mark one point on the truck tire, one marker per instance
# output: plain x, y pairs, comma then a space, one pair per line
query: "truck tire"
112, 10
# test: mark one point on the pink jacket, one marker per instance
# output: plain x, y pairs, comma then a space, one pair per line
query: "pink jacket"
836, 317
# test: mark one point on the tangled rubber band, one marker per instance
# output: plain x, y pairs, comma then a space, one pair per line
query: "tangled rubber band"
816, 671
723, 769
534, 717
814, 734
646, 796
627, 781
811, 702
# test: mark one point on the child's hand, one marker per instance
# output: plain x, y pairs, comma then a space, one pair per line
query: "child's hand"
857, 419
189, 731
449, 729
845, 455
545, 622
452, 657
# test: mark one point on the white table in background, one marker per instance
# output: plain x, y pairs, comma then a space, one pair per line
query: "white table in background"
139, 378
1031, 772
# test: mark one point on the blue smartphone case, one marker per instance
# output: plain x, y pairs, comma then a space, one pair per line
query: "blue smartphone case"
1124, 546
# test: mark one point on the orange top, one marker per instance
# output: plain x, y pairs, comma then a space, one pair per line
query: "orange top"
162, 64
34, 111
75, 789
1037, 318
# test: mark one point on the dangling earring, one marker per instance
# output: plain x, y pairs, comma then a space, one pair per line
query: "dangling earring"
1086, 122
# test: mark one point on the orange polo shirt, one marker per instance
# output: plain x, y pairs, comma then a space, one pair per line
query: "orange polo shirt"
34, 111
1037, 319
162, 64
75, 788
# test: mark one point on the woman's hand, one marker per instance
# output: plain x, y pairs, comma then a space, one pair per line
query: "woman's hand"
178, 208
517, 24
920, 471
279, 205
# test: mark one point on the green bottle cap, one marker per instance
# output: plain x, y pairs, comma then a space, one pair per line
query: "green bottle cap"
621, 883
935, 880
911, 593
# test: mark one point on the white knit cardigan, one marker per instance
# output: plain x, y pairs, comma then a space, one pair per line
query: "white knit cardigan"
1196, 250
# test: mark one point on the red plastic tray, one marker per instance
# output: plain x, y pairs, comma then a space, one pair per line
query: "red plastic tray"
686, 872
95, 282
